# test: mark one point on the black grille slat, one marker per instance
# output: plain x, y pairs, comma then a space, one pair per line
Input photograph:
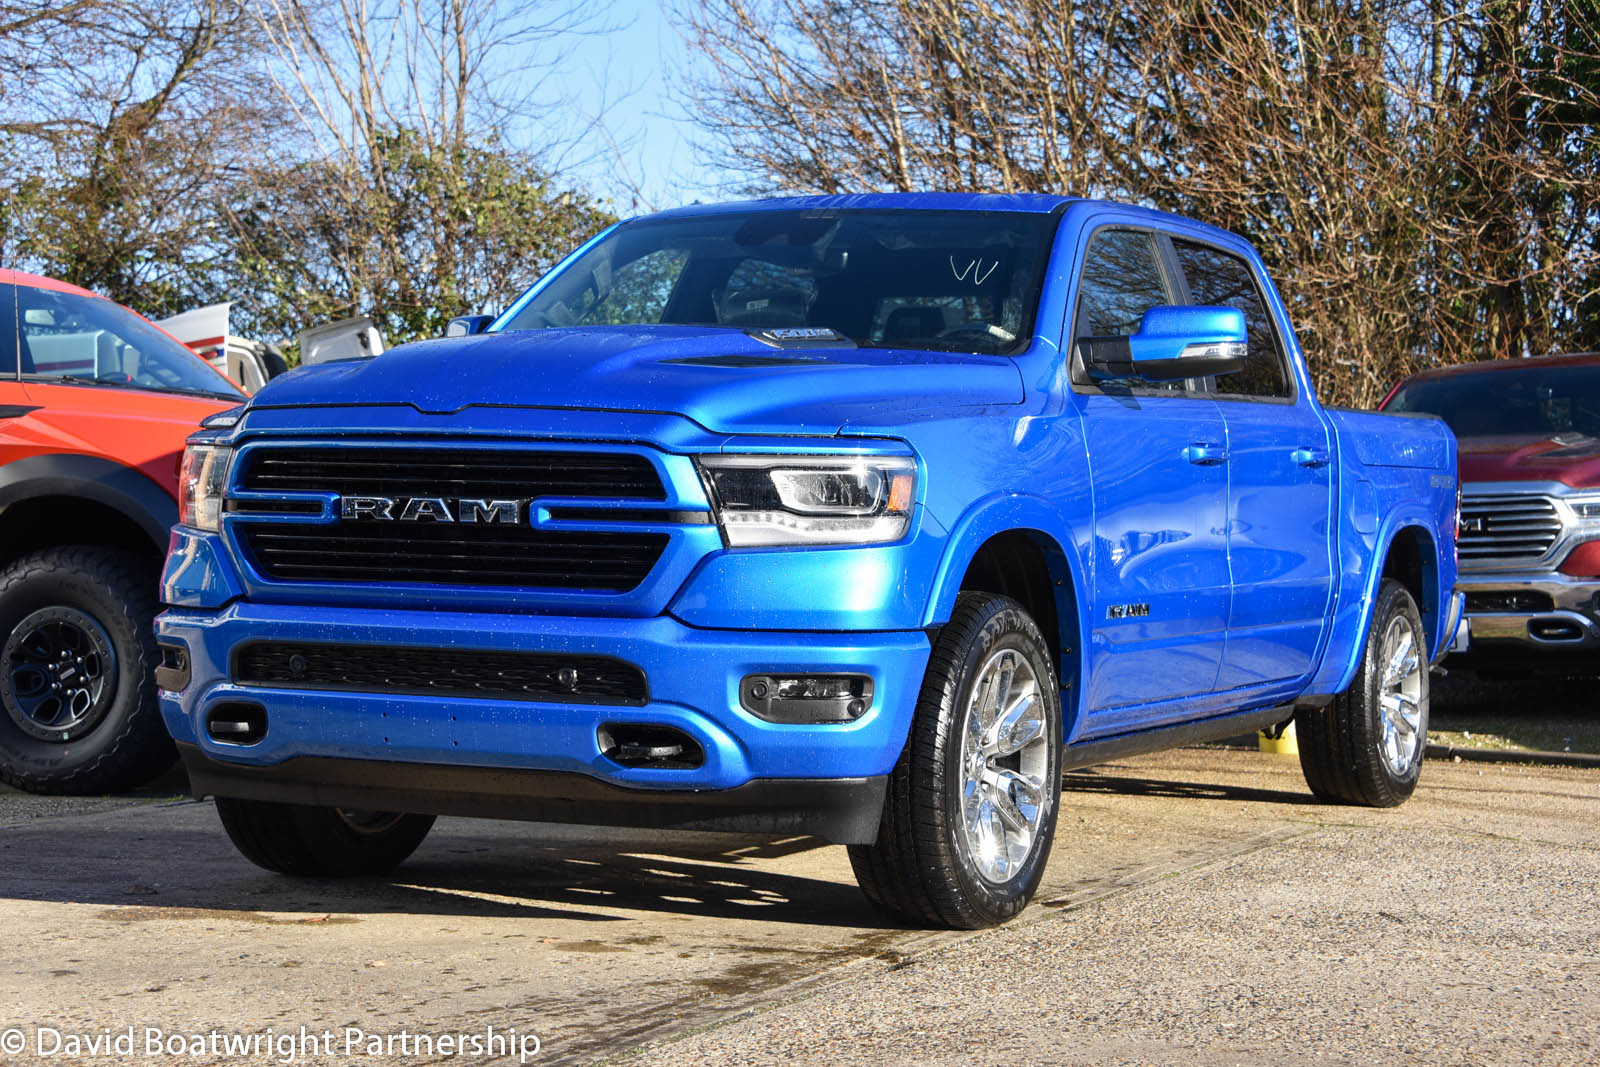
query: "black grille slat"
414, 552
479, 554
364, 542
473, 473
535, 676
583, 554
373, 572
310, 568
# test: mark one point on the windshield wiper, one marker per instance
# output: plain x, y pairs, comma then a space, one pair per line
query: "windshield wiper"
83, 379
80, 379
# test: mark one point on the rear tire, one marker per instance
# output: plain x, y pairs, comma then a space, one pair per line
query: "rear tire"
78, 710
1366, 747
971, 808
320, 842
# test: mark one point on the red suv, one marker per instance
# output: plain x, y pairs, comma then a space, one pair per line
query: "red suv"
95, 403
1529, 431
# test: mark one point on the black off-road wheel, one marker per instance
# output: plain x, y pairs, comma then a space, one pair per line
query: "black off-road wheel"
1366, 747
77, 663
971, 807
319, 842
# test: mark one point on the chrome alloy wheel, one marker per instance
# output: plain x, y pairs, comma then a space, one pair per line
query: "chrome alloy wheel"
1400, 697
1005, 766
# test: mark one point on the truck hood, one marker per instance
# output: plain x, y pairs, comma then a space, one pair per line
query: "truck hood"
1571, 458
723, 379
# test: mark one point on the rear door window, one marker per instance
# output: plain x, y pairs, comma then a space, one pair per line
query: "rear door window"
1216, 279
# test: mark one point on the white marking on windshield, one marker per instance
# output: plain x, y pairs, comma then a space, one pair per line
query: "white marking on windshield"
974, 268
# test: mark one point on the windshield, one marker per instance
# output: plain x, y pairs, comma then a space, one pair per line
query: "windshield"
1533, 400
955, 281
87, 339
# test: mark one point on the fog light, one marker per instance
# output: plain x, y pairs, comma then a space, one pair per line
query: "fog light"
806, 698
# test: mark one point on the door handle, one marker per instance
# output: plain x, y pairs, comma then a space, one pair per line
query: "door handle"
1205, 454
1310, 457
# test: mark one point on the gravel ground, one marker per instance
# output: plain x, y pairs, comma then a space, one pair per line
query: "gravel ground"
1344, 945
1200, 907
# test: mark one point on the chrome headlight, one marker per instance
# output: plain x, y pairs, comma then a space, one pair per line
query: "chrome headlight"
1586, 507
201, 481
811, 500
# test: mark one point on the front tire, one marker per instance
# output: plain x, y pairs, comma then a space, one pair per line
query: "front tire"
319, 842
971, 808
1366, 747
78, 710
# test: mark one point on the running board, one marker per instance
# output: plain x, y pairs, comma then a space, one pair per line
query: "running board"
1117, 746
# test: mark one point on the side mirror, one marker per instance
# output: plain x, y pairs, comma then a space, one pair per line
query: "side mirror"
467, 325
1172, 342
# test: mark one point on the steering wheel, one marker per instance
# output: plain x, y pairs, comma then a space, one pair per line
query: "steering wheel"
987, 330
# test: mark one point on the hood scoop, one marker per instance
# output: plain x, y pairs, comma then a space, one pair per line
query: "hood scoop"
1573, 446
748, 361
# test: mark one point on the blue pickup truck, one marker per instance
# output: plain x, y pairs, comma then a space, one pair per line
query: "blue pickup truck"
861, 516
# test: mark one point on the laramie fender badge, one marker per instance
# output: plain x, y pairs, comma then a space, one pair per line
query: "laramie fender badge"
430, 509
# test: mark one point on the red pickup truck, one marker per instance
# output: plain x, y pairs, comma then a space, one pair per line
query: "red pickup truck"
1529, 433
95, 403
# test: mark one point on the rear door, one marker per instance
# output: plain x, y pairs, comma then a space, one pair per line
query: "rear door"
1280, 507
1159, 484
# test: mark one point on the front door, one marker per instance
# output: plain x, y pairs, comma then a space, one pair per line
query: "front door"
1158, 454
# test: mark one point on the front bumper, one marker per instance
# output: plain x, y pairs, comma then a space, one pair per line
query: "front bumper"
343, 747
1537, 612
843, 810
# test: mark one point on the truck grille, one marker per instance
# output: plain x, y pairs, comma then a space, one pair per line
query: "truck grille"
451, 554
452, 472
382, 669
1507, 526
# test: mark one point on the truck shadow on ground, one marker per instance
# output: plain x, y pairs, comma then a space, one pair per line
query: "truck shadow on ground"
178, 872
172, 861
1107, 781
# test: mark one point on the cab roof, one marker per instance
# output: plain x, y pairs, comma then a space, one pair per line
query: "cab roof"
1039, 203
1490, 366
38, 281
1031, 203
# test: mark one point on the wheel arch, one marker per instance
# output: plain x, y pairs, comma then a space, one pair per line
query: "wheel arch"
1412, 560
79, 499
1409, 554
1021, 547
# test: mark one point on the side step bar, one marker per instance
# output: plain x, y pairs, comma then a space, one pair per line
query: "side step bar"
1118, 746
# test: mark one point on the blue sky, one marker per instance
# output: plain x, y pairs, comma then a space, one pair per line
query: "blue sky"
632, 76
